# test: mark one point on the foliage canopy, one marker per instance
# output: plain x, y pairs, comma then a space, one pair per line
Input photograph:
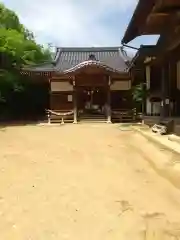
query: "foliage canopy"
17, 48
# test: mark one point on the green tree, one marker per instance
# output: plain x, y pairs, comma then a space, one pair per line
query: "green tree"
8, 19
17, 48
139, 94
17, 42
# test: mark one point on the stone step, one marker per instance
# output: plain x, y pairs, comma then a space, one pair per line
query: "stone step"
123, 120
59, 121
92, 121
92, 118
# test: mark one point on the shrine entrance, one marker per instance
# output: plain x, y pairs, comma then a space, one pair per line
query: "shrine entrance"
91, 100
92, 95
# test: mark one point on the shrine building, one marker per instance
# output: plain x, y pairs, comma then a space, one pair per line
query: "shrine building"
86, 82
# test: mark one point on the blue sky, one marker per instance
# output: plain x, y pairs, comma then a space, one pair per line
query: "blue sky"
77, 22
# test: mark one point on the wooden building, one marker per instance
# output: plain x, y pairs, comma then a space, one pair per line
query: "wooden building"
91, 82
158, 66
150, 76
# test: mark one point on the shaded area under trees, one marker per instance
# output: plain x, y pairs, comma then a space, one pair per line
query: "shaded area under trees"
20, 97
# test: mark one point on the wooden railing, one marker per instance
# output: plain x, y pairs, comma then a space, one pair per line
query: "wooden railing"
124, 114
120, 115
58, 115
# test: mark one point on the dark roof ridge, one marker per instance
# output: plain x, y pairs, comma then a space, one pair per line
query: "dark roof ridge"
57, 56
88, 49
58, 50
123, 54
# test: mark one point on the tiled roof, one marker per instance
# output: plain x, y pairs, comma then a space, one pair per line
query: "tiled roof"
143, 52
68, 58
47, 67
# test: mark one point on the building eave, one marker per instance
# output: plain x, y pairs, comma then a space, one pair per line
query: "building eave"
91, 63
140, 14
145, 51
151, 18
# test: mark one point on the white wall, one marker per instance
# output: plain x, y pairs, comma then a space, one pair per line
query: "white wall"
153, 108
66, 86
61, 86
156, 108
121, 85
148, 107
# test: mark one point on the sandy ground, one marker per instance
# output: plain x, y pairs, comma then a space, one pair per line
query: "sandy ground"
83, 182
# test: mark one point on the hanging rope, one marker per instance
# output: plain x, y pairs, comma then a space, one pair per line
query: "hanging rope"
62, 115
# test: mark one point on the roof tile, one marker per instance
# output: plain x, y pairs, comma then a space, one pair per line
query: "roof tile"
67, 58
70, 57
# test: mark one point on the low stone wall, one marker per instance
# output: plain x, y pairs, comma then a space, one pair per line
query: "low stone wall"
150, 121
177, 129
169, 170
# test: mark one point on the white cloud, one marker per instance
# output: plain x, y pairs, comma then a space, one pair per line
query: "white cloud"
73, 22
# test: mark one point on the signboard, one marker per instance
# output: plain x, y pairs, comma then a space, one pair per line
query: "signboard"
70, 98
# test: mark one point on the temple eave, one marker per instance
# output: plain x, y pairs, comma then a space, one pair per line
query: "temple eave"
78, 69
150, 18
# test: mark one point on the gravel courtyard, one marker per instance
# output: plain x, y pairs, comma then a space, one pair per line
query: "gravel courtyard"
83, 182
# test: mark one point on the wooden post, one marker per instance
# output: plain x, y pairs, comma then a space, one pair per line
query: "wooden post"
109, 101
147, 87
49, 117
162, 114
50, 101
62, 120
75, 101
164, 89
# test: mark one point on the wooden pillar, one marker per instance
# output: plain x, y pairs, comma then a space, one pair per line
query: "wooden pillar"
170, 82
50, 93
165, 103
50, 101
147, 87
109, 101
75, 102
177, 88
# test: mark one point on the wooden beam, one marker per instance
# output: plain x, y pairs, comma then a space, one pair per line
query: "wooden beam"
175, 44
172, 40
177, 29
149, 59
158, 14
167, 5
59, 78
157, 19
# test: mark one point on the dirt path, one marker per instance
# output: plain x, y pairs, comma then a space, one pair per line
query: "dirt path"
83, 182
